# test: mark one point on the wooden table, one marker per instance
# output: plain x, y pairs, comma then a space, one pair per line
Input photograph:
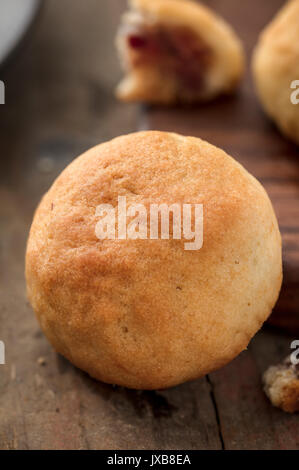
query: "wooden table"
60, 102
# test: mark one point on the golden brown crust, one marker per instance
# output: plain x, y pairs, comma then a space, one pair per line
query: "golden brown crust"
276, 66
147, 314
151, 84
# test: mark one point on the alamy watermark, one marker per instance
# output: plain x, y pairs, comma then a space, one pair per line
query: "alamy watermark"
294, 358
2, 92
136, 222
295, 93
2, 353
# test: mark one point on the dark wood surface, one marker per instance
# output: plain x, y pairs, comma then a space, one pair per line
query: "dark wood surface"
238, 125
60, 102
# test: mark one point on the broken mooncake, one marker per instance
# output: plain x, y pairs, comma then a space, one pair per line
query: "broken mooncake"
177, 51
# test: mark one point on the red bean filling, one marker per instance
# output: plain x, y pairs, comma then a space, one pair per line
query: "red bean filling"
174, 49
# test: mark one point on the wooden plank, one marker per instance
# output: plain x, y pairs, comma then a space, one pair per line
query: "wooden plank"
60, 102
247, 419
63, 104
238, 125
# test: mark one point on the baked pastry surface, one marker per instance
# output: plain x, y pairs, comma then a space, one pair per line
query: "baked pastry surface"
147, 314
177, 51
281, 384
276, 67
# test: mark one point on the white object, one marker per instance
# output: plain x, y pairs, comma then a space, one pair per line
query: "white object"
15, 18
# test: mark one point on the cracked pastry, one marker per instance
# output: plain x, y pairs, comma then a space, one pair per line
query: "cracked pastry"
276, 67
147, 313
281, 385
177, 51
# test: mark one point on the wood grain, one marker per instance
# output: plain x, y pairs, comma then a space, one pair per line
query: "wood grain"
238, 125
60, 102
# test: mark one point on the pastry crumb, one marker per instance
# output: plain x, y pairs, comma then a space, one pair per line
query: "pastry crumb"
41, 361
281, 385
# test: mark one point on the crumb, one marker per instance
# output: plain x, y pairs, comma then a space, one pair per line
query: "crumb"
41, 361
281, 385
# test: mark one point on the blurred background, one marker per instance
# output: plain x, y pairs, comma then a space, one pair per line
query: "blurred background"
60, 68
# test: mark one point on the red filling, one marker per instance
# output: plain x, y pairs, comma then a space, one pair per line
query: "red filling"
174, 49
137, 42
